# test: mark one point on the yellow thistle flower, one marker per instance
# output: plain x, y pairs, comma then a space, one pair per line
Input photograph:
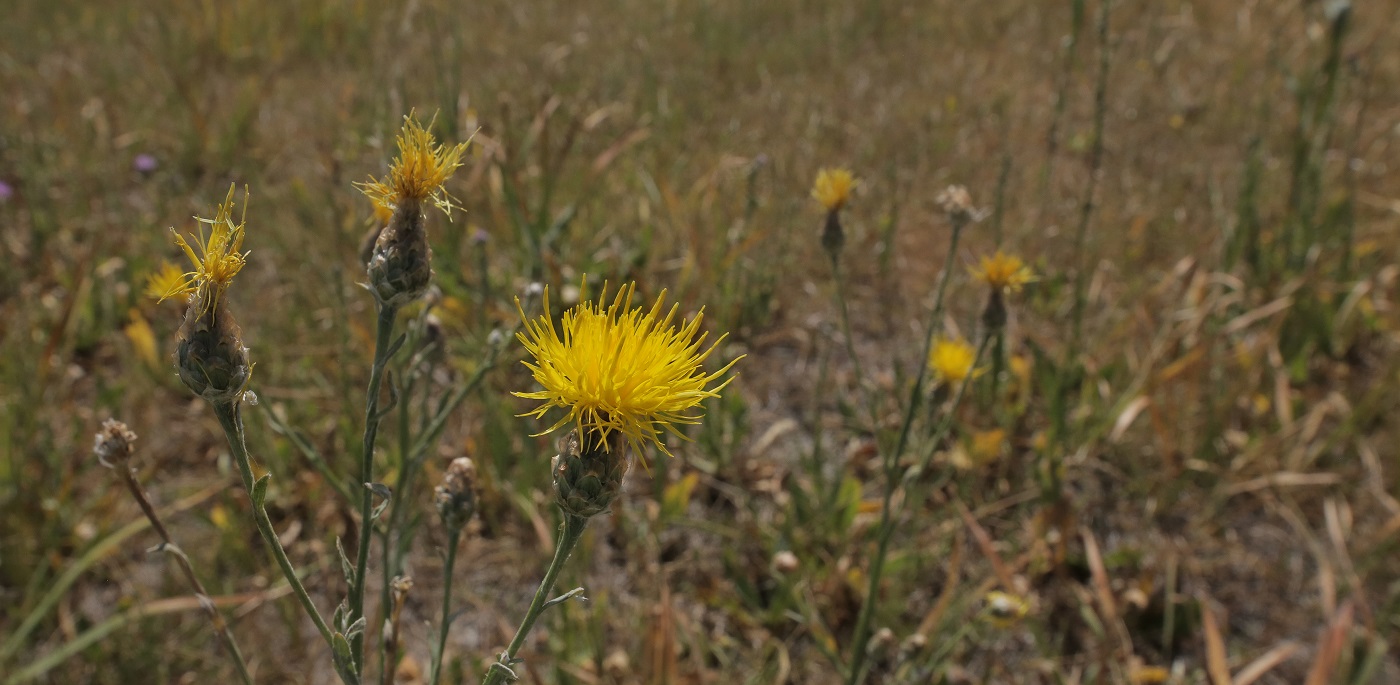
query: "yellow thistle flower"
1005, 609
418, 172
1148, 675
987, 445
143, 339
1004, 272
833, 188
951, 360
382, 214
218, 259
615, 368
168, 281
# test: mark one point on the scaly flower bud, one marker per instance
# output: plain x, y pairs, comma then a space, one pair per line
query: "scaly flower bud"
588, 478
113, 445
456, 497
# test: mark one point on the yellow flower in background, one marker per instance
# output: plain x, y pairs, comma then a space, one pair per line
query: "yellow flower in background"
987, 445
218, 259
1148, 675
418, 172
951, 360
833, 188
168, 281
1005, 609
1004, 272
615, 368
142, 338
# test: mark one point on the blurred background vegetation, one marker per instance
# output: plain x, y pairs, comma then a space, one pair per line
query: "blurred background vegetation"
1184, 459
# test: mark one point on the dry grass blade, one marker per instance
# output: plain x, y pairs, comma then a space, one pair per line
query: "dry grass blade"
1216, 664
1330, 646
1103, 591
1126, 418
1257, 668
984, 543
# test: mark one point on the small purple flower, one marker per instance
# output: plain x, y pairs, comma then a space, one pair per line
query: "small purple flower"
480, 236
145, 164
7, 191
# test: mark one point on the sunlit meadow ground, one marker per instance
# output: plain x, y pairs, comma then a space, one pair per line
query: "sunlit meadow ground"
1224, 429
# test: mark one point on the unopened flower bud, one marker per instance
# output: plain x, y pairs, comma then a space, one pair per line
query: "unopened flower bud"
456, 497
209, 353
587, 478
833, 237
956, 202
400, 266
113, 445
994, 314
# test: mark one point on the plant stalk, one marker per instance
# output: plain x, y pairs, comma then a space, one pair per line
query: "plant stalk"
215, 617
862, 631
384, 328
453, 537
569, 536
232, 421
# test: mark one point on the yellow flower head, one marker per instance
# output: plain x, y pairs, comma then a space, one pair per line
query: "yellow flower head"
218, 259
951, 360
1005, 609
833, 188
418, 172
987, 445
169, 281
615, 368
1004, 272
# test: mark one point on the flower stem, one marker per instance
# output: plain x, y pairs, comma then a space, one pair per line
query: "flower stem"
384, 328
886, 527
846, 333
453, 537
232, 421
891, 462
215, 617
569, 536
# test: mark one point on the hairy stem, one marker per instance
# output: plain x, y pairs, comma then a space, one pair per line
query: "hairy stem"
232, 421
453, 537
384, 328
569, 536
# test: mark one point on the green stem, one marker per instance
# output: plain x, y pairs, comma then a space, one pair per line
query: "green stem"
886, 527
215, 616
846, 334
232, 422
863, 622
435, 671
569, 536
1086, 209
384, 328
